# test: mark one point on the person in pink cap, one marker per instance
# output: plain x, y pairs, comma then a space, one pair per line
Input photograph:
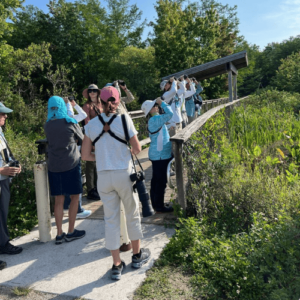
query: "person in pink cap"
114, 166
92, 108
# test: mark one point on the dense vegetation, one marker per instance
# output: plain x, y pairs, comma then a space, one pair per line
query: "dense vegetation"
242, 242
241, 238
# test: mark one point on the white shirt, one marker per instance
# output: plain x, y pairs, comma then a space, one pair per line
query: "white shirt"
2, 147
110, 153
167, 96
81, 113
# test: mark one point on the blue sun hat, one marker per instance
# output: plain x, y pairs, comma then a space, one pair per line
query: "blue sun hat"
57, 110
4, 109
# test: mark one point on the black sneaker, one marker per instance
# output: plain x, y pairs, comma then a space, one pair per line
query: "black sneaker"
93, 194
140, 259
116, 271
60, 238
77, 234
10, 249
3, 265
165, 209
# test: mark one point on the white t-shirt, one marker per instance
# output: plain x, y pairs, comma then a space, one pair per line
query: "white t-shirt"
110, 153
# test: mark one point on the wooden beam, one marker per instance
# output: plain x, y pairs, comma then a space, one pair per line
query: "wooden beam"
239, 60
230, 85
231, 67
235, 87
177, 147
184, 134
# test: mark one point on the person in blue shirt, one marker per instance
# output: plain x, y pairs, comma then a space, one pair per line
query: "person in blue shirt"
160, 151
197, 97
189, 100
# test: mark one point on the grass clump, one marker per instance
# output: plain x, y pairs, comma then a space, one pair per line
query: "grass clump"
21, 291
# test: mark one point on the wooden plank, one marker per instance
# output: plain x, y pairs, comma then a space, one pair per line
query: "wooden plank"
219, 65
235, 87
177, 147
145, 142
136, 114
230, 85
231, 67
183, 135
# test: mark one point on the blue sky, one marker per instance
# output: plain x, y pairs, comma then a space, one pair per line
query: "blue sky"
261, 21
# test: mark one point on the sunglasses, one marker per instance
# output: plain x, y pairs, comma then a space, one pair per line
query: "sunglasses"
92, 91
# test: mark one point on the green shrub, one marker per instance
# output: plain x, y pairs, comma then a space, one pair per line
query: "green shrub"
22, 211
261, 264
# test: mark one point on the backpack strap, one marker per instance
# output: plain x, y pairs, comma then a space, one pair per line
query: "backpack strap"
153, 131
123, 117
106, 128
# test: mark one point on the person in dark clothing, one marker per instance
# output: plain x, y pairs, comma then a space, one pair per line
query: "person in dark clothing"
5, 172
64, 167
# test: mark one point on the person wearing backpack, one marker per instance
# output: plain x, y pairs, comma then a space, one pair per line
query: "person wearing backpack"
160, 151
114, 166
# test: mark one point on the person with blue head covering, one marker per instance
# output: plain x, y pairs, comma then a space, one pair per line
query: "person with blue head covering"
64, 169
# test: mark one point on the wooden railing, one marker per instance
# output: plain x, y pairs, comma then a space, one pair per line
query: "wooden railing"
183, 137
142, 126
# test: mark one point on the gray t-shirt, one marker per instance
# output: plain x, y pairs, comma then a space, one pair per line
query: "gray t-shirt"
63, 154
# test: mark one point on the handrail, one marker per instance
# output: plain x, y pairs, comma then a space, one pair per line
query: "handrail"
136, 114
182, 137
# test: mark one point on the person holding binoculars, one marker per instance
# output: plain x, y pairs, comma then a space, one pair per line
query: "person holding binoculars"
197, 97
121, 85
80, 116
92, 108
114, 167
189, 99
160, 151
8, 168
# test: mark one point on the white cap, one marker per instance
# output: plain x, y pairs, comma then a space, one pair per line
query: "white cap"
147, 106
162, 84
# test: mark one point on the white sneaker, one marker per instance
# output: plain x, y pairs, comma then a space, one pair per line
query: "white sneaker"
84, 214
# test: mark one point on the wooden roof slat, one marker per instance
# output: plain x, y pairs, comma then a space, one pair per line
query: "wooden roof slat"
214, 68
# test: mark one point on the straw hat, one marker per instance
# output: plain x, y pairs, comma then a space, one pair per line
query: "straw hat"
91, 87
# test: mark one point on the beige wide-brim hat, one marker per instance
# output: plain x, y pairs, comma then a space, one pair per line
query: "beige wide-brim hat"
91, 87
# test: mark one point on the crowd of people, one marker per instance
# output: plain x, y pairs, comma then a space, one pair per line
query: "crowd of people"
107, 145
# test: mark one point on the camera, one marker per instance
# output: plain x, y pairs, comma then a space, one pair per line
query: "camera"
42, 146
121, 82
71, 98
13, 163
140, 187
185, 77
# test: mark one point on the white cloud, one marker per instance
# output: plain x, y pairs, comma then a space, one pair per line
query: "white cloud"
287, 15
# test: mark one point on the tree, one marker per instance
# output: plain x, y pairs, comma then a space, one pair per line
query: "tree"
249, 78
270, 59
124, 21
287, 76
187, 36
7, 8
83, 36
137, 67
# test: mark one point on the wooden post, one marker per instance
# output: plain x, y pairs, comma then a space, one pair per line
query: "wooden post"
177, 146
230, 85
235, 87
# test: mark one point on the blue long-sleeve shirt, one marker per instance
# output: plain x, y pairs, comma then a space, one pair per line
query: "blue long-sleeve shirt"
154, 124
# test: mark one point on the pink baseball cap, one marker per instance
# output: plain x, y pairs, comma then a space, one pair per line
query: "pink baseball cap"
108, 92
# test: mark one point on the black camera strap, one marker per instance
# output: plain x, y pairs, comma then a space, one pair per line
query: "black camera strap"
5, 152
125, 127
